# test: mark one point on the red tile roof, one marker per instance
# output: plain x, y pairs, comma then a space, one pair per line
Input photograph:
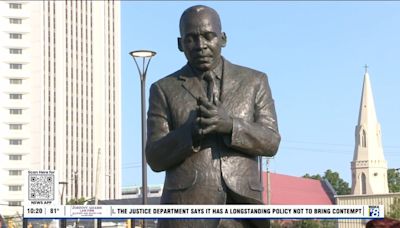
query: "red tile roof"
290, 190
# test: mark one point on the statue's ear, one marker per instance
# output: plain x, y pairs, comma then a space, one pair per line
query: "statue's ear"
223, 39
180, 44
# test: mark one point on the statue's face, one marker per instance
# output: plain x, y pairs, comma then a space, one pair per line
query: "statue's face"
202, 40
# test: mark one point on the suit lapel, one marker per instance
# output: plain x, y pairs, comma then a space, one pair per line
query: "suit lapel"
229, 83
191, 83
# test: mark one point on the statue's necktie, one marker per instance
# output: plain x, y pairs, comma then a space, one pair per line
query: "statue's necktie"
212, 88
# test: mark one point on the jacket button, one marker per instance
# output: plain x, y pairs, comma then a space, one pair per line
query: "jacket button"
220, 189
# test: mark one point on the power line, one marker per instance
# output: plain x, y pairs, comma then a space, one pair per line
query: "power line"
333, 144
330, 150
317, 143
132, 166
131, 163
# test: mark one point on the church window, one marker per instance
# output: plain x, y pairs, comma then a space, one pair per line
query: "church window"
364, 139
363, 184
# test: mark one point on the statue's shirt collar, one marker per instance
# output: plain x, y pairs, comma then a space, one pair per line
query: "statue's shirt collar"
217, 71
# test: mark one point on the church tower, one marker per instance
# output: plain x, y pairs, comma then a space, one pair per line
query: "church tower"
369, 167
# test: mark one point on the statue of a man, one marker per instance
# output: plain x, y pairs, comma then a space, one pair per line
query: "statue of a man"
207, 124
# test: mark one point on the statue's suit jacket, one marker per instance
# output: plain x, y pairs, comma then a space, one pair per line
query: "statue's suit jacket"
195, 170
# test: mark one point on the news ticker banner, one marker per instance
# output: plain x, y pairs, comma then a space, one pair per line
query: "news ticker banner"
207, 211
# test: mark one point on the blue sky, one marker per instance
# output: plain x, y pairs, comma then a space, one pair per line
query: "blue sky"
314, 54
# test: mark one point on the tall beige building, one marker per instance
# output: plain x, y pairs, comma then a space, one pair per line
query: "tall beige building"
60, 96
369, 167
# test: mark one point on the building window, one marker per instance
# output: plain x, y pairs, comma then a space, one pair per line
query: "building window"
14, 172
16, 66
15, 51
15, 126
15, 36
15, 141
15, 21
364, 139
15, 5
15, 111
15, 81
363, 184
14, 157
14, 188
15, 96
14, 203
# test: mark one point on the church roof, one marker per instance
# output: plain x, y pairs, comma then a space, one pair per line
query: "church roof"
291, 190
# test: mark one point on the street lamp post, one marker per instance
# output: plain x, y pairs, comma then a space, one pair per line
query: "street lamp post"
146, 56
63, 183
63, 222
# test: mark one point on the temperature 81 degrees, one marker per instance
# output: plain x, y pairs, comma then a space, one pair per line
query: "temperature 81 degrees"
54, 210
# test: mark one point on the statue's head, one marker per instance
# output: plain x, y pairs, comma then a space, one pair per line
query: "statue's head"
201, 37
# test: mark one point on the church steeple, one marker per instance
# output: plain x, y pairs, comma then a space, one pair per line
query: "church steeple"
367, 112
369, 167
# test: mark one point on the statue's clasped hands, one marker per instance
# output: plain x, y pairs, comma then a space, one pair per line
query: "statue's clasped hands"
212, 118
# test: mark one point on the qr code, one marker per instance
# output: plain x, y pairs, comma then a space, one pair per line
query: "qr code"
41, 186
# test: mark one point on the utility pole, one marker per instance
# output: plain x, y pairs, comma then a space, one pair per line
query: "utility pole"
76, 192
76, 184
63, 222
260, 167
268, 184
96, 190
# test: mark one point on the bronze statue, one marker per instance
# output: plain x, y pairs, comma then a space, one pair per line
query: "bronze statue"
207, 124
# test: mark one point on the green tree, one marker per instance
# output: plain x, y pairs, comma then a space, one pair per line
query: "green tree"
328, 223
395, 209
307, 223
393, 180
315, 177
275, 224
341, 187
79, 201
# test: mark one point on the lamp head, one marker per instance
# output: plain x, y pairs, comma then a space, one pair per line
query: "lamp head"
142, 53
